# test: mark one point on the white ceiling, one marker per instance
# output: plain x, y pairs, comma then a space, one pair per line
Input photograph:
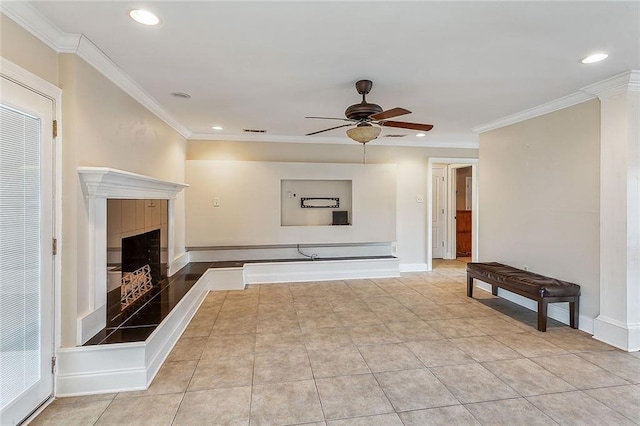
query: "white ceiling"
266, 65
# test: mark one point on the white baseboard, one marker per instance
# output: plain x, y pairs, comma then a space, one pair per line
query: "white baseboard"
616, 333
323, 270
163, 339
88, 370
120, 367
557, 311
413, 267
91, 324
178, 263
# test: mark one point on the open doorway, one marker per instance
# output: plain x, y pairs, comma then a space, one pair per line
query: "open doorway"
463, 209
452, 210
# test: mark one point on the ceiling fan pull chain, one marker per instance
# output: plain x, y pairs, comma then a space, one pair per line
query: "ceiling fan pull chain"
364, 153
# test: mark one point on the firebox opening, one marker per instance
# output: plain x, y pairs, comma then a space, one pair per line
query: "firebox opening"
136, 254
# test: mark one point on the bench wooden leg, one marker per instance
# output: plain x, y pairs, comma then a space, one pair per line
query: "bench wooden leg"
542, 315
494, 290
469, 286
574, 312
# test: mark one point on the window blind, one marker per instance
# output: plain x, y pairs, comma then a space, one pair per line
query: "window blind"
20, 249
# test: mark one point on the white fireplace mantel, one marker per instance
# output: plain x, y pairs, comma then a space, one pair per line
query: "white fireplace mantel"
99, 185
104, 182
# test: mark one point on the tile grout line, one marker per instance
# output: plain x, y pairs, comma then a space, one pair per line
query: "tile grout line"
368, 300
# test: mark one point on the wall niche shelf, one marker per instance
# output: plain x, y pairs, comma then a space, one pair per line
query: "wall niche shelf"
311, 202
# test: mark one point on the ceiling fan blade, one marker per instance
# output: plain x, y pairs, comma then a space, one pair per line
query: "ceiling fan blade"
403, 125
326, 130
390, 113
331, 118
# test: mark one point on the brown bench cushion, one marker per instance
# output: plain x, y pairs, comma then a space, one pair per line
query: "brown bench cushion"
524, 281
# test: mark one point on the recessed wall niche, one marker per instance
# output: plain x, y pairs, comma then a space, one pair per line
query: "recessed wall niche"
129, 218
311, 202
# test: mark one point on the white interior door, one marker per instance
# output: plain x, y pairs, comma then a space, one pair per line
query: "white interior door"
438, 222
26, 257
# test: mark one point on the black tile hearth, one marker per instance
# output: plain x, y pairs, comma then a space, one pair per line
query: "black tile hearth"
137, 322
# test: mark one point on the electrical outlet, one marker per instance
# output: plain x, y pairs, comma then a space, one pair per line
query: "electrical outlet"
419, 199
216, 202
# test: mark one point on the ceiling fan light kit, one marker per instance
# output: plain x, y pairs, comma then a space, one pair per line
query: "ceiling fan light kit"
364, 114
364, 133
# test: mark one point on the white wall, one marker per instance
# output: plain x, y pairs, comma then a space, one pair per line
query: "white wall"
619, 320
539, 203
411, 176
250, 203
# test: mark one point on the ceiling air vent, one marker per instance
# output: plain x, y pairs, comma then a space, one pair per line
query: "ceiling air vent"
394, 136
181, 95
254, 131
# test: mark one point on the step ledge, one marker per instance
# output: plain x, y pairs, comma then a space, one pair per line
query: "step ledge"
121, 367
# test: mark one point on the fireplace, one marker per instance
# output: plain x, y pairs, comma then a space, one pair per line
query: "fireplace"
142, 250
100, 185
136, 252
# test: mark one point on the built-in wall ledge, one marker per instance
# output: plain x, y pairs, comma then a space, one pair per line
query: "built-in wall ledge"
104, 182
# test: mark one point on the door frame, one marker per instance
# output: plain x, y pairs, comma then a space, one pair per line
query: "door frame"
44, 88
443, 225
475, 214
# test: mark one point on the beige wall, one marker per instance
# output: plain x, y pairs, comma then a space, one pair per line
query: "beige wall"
25, 50
539, 203
411, 173
101, 126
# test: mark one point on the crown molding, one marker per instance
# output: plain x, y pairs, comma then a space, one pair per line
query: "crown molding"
330, 140
34, 22
628, 81
270, 138
546, 108
91, 54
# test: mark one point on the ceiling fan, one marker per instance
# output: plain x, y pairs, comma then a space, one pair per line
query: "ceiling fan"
365, 114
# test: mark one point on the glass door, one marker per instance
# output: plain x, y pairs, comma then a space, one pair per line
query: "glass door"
26, 256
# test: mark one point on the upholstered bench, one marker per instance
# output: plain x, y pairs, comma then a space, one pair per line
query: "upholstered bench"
543, 290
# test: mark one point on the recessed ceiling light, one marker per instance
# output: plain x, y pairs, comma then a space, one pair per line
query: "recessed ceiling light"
181, 95
216, 127
144, 17
596, 57
421, 135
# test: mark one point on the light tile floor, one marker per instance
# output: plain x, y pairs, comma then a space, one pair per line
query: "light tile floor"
412, 350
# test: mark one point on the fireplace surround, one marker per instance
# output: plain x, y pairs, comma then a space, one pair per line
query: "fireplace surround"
99, 185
